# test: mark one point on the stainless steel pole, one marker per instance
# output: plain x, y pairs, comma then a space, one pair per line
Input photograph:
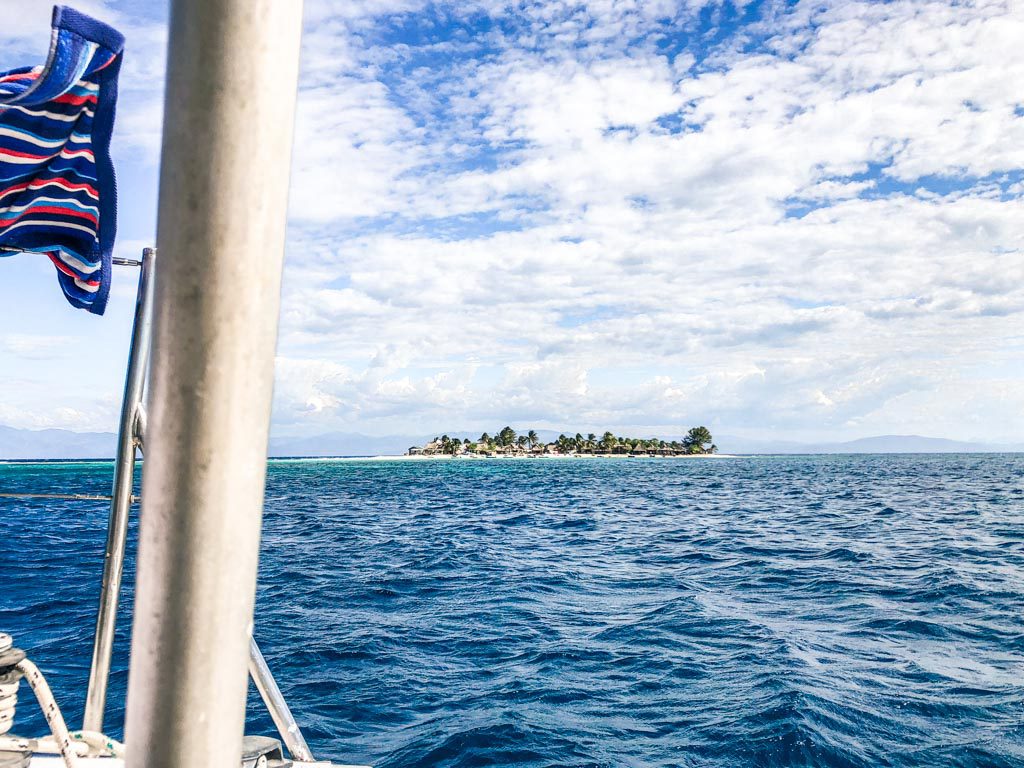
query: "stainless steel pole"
277, 706
121, 498
230, 97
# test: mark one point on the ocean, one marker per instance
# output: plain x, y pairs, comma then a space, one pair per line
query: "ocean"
765, 611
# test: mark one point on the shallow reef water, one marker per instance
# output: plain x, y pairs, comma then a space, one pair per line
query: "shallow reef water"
762, 611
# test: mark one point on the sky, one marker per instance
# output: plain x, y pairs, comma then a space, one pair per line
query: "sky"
799, 220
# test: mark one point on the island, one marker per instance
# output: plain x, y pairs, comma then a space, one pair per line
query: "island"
507, 443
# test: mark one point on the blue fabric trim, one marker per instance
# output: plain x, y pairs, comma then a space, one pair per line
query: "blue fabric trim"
87, 27
102, 130
103, 126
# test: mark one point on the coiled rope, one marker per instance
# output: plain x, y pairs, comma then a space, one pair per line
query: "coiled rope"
14, 666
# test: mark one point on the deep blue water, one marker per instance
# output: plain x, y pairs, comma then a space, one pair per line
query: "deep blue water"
788, 611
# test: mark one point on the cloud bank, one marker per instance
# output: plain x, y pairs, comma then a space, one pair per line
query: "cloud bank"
796, 219
771, 219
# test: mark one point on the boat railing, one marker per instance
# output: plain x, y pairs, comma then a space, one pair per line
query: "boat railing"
130, 442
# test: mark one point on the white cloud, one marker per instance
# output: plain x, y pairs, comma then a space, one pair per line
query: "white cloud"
566, 216
668, 255
30, 345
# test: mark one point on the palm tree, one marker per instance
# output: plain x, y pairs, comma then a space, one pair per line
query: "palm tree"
696, 439
533, 439
608, 441
507, 436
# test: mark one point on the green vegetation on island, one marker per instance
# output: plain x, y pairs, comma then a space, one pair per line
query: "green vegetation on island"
507, 442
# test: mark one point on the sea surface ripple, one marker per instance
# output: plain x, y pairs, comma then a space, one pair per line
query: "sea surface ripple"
782, 611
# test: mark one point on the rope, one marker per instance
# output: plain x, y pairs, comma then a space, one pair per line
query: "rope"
62, 496
65, 496
51, 711
14, 666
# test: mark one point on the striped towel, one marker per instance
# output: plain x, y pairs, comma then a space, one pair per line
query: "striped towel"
58, 195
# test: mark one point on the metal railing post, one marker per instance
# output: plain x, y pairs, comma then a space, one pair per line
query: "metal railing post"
277, 706
121, 499
232, 73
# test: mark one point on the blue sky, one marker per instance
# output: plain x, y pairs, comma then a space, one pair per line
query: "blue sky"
797, 219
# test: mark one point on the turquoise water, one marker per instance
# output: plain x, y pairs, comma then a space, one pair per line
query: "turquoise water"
785, 611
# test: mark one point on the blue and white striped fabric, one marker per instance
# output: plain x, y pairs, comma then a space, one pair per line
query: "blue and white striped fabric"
58, 194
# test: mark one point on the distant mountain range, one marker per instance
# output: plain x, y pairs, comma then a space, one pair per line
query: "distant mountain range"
64, 444
877, 444
55, 444
344, 444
